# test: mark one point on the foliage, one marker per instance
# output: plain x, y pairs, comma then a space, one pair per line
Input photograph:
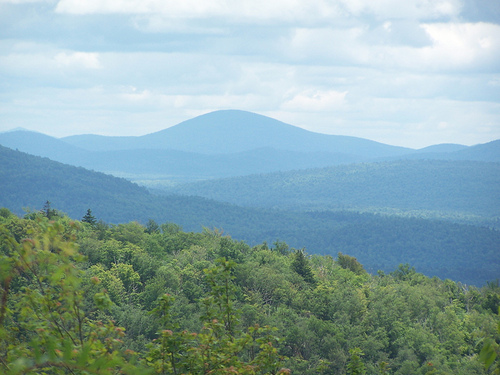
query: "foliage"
350, 263
302, 267
356, 366
213, 302
89, 218
436, 187
490, 353
43, 325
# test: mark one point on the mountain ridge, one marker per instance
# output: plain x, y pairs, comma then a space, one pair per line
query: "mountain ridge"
436, 248
224, 144
229, 131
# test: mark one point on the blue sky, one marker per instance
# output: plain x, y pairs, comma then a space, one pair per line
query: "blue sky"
410, 73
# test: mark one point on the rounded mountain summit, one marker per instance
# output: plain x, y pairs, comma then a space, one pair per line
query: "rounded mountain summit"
231, 131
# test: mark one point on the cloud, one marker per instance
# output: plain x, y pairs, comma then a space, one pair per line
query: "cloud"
315, 100
297, 11
462, 45
411, 9
456, 46
86, 60
388, 70
25, 1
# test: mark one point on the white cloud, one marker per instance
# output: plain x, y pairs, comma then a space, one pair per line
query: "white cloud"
410, 9
86, 60
25, 1
309, 11
315, 100
134, 95
289, 9
459, 45
456, 46
388, 70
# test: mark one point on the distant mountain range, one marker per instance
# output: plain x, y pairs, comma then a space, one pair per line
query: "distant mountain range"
224, 144
437, 248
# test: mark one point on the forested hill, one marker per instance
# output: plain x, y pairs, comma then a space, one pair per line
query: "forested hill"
458, 188
131, 299
380, 242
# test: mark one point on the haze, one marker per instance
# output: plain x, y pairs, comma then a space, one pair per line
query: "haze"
410, 73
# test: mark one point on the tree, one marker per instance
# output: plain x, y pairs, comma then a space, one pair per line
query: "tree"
5, 213
301, 265
49, 212
356, 365
152, 227
44, 328
350, 263
90, 219
221, 347
491, 352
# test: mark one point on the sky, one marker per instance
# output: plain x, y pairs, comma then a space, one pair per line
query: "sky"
410, 73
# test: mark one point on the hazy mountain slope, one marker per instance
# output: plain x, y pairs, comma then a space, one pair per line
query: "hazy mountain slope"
488, 152
442, 147
190, 165
174, 164
448, 186
233, 131
434, 248
43, 145
94, 142
28, 181
223, 144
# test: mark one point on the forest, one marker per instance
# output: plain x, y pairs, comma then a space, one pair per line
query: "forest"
379, 241
87, 297
453, 188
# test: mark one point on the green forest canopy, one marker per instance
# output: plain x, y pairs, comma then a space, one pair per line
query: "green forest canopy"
86, 297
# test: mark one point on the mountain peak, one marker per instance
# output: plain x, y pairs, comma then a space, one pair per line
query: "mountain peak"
19, 129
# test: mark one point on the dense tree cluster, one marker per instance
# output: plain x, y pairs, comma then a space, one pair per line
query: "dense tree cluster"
91, 298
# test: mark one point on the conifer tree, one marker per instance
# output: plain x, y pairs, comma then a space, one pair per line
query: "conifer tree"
89, 218
301, 266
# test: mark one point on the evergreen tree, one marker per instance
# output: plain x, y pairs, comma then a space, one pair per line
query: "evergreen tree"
89, 218
49, 212
152, 227
301, 266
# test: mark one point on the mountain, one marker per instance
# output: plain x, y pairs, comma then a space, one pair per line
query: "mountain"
442, 147
232, 131
174, 164
42, 145
224, 144
449, 187
435, 248
488, 151
19, 128
483, 152
170, 165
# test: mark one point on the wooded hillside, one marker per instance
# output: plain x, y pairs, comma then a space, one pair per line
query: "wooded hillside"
380, 242
214, 304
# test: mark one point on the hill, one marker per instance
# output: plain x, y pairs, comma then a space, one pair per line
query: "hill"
449, 187
40, 144
483, 152
155, 299
233, 131
379, 242
223, 144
